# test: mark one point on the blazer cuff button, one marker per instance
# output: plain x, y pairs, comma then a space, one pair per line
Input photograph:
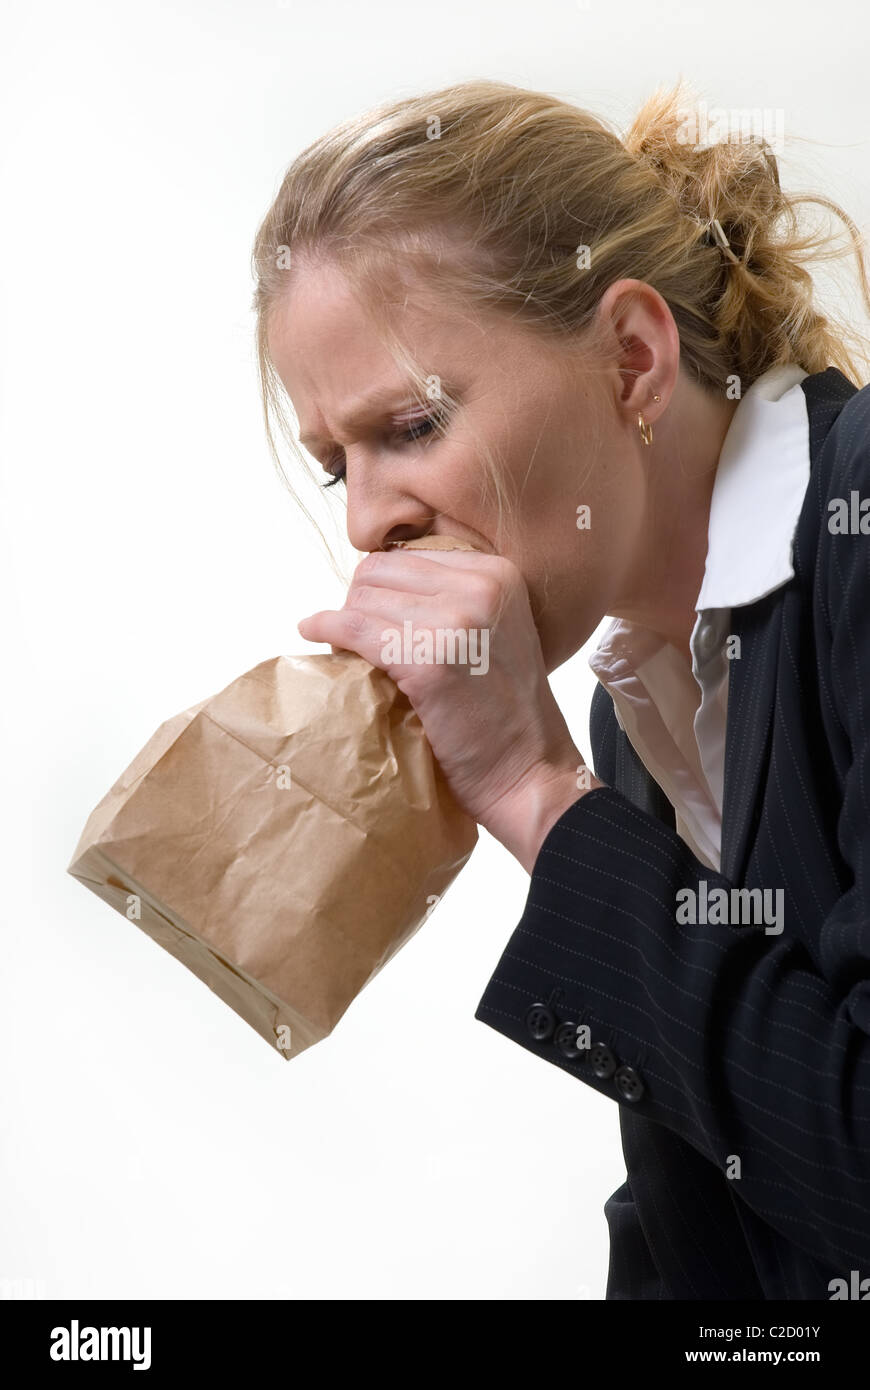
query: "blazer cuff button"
540, 1022
629, 1084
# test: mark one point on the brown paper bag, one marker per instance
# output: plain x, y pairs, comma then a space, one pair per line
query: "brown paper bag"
283, 839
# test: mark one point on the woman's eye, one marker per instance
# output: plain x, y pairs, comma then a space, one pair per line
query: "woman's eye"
418, 429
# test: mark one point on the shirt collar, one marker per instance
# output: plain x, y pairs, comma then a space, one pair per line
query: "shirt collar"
759, 489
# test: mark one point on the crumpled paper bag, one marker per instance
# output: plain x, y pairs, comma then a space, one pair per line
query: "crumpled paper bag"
284, 838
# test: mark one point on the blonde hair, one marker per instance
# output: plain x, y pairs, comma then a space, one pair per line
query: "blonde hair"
488, 192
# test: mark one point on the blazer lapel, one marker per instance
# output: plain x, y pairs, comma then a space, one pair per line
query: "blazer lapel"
752, 677
751, 696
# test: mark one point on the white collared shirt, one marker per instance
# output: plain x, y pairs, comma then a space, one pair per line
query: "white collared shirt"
759, 489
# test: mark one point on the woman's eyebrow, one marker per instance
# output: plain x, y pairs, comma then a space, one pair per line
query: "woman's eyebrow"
363, 409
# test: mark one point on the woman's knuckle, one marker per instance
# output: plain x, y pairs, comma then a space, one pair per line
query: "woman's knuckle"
355, 621
360, 596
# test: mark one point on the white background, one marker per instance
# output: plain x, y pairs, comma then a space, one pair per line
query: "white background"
153, 1144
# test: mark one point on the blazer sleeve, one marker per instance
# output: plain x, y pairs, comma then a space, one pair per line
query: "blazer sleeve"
725, 1034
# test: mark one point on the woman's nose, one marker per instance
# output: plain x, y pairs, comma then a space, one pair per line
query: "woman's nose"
377, 535
374, 519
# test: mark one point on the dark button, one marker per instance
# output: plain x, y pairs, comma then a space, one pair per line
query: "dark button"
628, 1083
568, 1043
540, 1022
603, 1061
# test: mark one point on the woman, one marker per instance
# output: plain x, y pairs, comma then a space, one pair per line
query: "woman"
599, 363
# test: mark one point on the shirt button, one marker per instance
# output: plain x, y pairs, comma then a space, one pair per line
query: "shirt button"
628, 1083
540, 1022
706, 638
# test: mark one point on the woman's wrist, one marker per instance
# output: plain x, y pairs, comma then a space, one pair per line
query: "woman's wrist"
523, 818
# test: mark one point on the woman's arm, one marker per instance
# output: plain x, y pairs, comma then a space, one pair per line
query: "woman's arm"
741, 1047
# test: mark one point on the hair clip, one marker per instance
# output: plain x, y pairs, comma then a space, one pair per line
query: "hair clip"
716, 227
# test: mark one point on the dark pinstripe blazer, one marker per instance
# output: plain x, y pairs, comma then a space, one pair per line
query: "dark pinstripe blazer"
740, 1059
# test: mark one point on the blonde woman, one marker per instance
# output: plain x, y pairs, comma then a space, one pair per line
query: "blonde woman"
599, 361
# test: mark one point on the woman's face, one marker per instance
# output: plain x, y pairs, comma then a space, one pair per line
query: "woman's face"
515, 393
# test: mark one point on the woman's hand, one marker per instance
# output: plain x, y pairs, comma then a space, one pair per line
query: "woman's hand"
487, 708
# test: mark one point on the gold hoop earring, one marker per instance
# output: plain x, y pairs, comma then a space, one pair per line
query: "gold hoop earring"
646, 433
